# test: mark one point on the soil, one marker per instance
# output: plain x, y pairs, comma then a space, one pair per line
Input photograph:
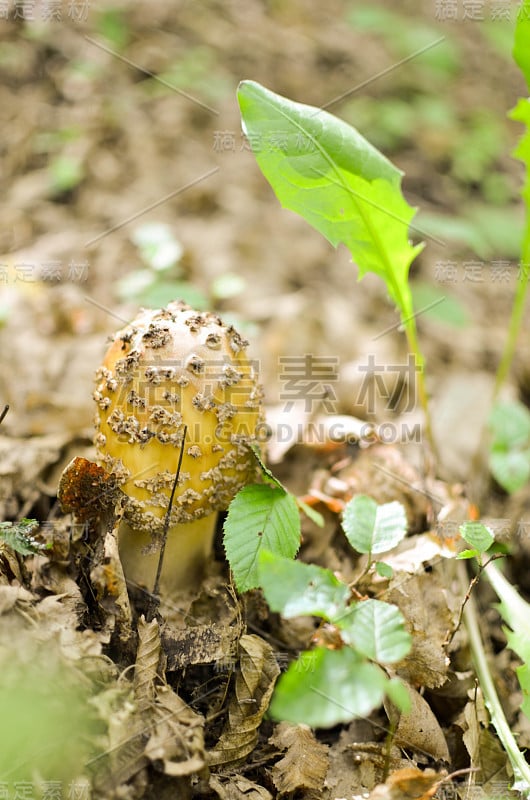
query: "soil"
119, 115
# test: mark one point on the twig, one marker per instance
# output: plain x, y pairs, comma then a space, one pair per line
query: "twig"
3, 413
156, 587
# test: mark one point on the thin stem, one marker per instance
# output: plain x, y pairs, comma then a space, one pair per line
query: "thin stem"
412, 339
156, 587
515, 321
520, 767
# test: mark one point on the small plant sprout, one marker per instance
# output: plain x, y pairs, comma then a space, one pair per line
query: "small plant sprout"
178, 403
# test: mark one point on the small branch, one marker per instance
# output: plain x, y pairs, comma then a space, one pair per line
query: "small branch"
3, 413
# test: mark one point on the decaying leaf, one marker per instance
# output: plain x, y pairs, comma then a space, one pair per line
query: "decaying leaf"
147, 660
485, 750
176, 744
430, 602
304, 765
108, 582
419, 729
408, 783
238, 788
256, 676
86, 490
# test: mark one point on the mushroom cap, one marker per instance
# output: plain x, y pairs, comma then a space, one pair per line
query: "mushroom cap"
169, 370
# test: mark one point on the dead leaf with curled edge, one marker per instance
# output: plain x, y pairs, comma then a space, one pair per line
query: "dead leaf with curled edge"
256, 676
409, 783
418, 730
306, 762
430, 602
176, 744
238, 788
108, 582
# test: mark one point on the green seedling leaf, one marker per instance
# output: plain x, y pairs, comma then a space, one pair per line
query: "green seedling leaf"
260, 517
510, 469
509, 424
371, 528
323, 169
521, 50
268, 476
377, 630
477, 535
293, 589
19, 536
325, 687
466, 554
384, 570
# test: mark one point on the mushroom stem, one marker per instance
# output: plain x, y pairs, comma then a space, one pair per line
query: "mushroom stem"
188, 547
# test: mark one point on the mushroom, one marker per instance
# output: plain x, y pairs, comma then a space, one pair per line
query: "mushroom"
175, 387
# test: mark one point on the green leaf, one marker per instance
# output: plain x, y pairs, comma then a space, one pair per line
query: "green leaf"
384, 570
377, 630
309, 511
521, 50
260, 517
19, 536
509, 424
293, 588
465, 554
399, 695
510, 469
325, 687
477, 535
323, 169
515, 611
371, 528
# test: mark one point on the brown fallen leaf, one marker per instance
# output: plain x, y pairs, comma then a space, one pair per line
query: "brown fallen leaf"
419, 729
238, 788
305, 764
257, 674
409, 783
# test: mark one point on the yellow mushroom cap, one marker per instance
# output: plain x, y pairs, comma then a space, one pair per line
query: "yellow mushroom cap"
168, 370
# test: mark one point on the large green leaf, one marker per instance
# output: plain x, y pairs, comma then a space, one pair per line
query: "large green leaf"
325, 687
377, 630
260, 517
293, 588
322, 168
371, 528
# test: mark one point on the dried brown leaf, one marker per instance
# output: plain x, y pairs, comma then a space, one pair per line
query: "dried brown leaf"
257, 674
147, 660
108, 581
430, 602
305, 764
238, 788
176, 744
419, 729
408, 783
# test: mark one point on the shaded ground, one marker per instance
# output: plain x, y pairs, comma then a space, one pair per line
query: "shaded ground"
94, 147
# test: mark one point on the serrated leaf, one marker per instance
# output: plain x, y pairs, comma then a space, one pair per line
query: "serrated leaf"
477, 535
377, 630
268, 476
521, 50
19, 536
260, 517
325, 687
294, 589
373, 528
323, 169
